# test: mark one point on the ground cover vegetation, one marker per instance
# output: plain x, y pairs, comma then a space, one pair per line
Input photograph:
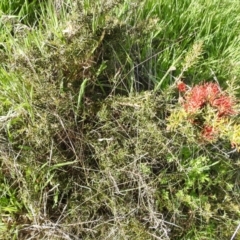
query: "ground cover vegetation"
119, 119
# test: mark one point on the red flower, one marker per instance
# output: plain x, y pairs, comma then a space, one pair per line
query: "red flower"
181, 86
208, 132
195, 99
208, 93
224, 105
211, 96
212, 90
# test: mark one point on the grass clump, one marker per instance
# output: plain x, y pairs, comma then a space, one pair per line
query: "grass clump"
94, 143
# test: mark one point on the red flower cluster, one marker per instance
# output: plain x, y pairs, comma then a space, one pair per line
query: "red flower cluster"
208, 93
224, 105
202, 95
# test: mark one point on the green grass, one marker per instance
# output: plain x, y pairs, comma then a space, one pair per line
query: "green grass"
86, 88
